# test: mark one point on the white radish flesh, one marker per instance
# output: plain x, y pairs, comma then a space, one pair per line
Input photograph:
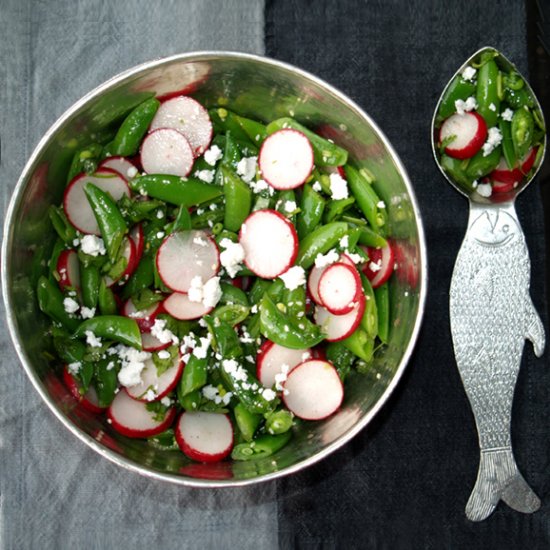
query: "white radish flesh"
339, 288
129, 253
273, 360
132, 419
338, 327
68, 268
76, 205
204, 436
380, 265
136, 234
145, 318
313, 390
286, 159
316, 273
469, 131
166, 151
188, 117
179, 305
154, 386
270, 243
185, 255
121, 165
152, 343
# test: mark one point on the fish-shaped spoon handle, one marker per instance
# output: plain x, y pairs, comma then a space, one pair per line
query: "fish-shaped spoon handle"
491, 311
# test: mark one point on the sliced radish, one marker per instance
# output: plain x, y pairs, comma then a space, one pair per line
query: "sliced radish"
128, 252
204, 436
271, 358
179, 305
528, 161
313, 390
132, 419
503, 186
152, 343
503, 174
187, 116
286, 159
76, 205
470, 131
89, 400
338, 327
380, 265
68, 268
316, 273
136, 234
166, 151
185, 255
121, 165
339, 288
159, 386
270, 243
145, 318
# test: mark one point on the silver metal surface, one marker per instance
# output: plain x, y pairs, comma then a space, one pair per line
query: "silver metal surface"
256, 87
491, 315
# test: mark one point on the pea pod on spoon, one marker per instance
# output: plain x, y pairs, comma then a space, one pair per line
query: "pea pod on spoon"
491, 311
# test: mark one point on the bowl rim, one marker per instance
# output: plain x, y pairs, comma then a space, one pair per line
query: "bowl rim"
15, 200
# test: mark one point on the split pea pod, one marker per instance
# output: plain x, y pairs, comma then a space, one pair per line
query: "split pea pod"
261, 447
480, 165
312, 205
369, 321
111, 327
522, 129
65, 230
278, 422
361, 344
247, 422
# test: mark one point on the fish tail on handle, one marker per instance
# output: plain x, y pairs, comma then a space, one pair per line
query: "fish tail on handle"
498, 478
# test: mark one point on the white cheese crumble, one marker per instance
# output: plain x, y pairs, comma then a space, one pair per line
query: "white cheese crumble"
160, 214
261, 185
76, 242
355, 258
338, 187
163, 354
150, 395
254, 309
213, 155
322, 260
166, 401
205, 175
375, 266
280, 377
468, 73
268, 394
201, 351
132, 172
493, 140
208, 293
293, 277
74, 367
200, 241
290, 206
70, 305
164, 335
92, 340
231, 257
132, 363
381, 204
492, 107
246, 168
507, 115
462, 106
92, 245
344, 241
160, 234
317, 187
87, 312
484, 189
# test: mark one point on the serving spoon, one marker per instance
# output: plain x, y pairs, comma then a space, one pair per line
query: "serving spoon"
491, 315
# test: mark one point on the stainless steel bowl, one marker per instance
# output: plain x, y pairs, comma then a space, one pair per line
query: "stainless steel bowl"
256, 87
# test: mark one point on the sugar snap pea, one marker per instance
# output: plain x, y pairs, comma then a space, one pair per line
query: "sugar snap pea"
50, 301
111, 327
238, 199
319, 241
488, 101
312, 205
522, 131
247, 422
261, 447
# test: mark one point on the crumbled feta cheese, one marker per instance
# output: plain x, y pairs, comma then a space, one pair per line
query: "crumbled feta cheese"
462, 106
338, 187
70, 305
166, 401
132, 172
226, 398
213, 206
246, 168
254, 309
208, 294
294, 277
200, 241
92, 340
206, 175
150, 395
484, 189
268, 394
201, 351
160, 234
290, 206
210, 392
375, 266
160, 214
507, 115
195, 289
322, 260
163, 354
344, 241
493, 140
92, 245
231, 257
110, 365
164, 335
261, 185
234, 369
381, 204
76, 242
212, 155
492, 107
317, 187
280, 377
132, 363
355, 258
74, 367
87, 312
468, 73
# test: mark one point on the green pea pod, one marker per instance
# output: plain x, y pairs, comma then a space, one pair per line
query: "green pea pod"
191, 401
108, 216
50, 301
369, 321
325, 152
232, 314
105, 381
279, 421
232, 295
453, 168
513, 81
67, 233
522, 129
312, 205
141, 278
319, 241
238, 199
194, 377
518, 99
488, 101
175, 190
68, 349
259, 288
368, 237
336, 208
382, 296
481, 165
58, 247
231, 153
279, 328
225, 121
256, 131
224, 338
458, 89
341, 357
360, 344
106, 299
89, 284
366, 197
247, 422
261, 447
112, 327
295, 302
135, 209
182, 221
85, 160
165, 441
508, 149
130, 134
208, 219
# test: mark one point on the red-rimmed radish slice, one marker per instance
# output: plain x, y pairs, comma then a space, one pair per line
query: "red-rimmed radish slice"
129, 252
132, 419
121, 165
528, 161
145, 318
76, 205
185, 255
339, 288
136, 234
166, 151
152, 343
316, 273
380, 265
89, 400
204, 436
159, 386
345, 259
313, 390
270, 243
68, 268
504, 175
271, 358
187, 116
179, 305
470, 131
338, 327
286, 159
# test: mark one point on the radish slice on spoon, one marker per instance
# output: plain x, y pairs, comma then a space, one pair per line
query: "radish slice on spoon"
166, 151
469, 131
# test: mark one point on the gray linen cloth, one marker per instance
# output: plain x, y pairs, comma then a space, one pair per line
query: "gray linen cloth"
55, 492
